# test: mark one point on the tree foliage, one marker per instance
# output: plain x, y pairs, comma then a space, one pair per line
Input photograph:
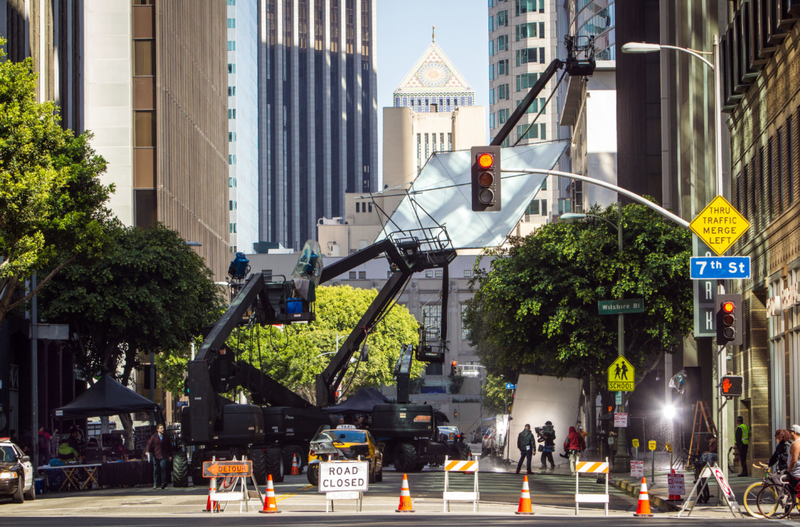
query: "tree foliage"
536, 309
150, 293
296, 354
51, 200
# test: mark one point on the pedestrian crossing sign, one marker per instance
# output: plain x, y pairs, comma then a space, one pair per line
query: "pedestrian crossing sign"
621, 376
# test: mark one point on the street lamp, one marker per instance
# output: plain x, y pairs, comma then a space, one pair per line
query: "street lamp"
642, 47
621, 459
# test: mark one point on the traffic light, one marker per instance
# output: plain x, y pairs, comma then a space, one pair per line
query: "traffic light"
454, 368
486, 178
729, 320
732, 386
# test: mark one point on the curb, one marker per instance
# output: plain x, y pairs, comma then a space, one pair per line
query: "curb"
633, 489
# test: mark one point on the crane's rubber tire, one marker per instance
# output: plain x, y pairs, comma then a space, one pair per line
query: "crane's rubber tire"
197, 469
180, 470
259, 459
274, 461
313, 474
18, 496
405, 458
302, 460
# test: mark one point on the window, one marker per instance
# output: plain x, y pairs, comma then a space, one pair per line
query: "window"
358, 207
526, 31
492, 121
232, 160
231, 182
231, 68
432, 321
541, 55
502, 18
503, 92
464, 332
544, 207
524, 56
231, 45
502, 67
502, 43
467, 273
491, 23
231, 113
232, 205
541, 6
491, 72
491, 96
231, 91
143, 58
231, 137
231, 2
533, 133
526, 80
491, 48
542, 131
351, 275
231, 23
533, 208
525, 6
541, 29
232, 228
450, 141
437, 273
502, 115
362, 275
544, 184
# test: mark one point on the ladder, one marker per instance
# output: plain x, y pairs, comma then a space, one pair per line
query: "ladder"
702, 425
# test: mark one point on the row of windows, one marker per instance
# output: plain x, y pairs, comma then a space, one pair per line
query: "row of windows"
537, 209
537, 131
529, 55
429, 273
504, 113
502, 68
363, 207
522, 6
767, 185
432, 138
231, 2
231, 23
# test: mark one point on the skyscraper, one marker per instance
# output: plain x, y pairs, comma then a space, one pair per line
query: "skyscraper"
317, 112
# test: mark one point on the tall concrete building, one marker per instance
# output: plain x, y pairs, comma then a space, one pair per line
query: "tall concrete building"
433, 112
317, 112
243, 124
523, 40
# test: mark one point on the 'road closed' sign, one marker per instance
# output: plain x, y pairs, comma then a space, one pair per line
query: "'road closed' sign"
343, 475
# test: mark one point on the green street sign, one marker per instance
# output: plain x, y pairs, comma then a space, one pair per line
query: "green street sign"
615, 307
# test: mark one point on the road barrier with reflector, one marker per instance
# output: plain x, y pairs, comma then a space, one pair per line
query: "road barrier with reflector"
461, 466
234, 475
590, 467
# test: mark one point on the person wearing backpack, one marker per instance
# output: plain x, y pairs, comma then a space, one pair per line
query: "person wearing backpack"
574, 445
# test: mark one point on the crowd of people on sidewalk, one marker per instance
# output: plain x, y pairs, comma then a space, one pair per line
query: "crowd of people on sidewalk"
574, 446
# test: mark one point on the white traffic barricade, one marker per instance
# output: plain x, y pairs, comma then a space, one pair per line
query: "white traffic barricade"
590, 467
343, 480
461, 466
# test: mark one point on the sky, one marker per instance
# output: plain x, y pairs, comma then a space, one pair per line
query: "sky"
404, 33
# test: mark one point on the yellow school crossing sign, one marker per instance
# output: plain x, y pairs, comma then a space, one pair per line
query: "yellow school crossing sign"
719, 225
621, 375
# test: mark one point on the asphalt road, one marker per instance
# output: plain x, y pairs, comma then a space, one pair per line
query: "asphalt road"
552, 497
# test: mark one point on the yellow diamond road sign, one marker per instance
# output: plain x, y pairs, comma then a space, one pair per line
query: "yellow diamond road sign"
621, 375
719, 225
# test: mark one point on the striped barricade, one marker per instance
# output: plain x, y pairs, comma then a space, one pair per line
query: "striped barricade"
470, 465
590, 467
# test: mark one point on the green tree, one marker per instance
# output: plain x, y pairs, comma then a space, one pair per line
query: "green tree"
150, 293
495, 396
296, 354
535, 311
51, 200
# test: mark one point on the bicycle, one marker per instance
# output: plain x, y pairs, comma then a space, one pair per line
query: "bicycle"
751, 494
776, 500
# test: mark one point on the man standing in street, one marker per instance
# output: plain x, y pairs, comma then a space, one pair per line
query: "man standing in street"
526, 443
742, 441
160, 451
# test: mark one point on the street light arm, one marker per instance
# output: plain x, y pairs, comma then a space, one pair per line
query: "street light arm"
692, 52
635, 197
645, 47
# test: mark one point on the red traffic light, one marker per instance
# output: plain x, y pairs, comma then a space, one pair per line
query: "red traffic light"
485, 160
728, 307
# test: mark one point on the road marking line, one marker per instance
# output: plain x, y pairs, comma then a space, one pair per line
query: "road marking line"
284, 496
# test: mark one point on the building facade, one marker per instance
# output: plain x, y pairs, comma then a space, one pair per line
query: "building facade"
317, 112
243, 124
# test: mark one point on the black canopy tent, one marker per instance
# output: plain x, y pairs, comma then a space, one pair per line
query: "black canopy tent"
106, 397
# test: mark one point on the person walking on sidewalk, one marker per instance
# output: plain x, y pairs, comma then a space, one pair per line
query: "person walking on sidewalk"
160, 451
526, 443
574, 445
742, 441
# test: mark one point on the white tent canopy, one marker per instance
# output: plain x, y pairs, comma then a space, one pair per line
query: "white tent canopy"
443, 192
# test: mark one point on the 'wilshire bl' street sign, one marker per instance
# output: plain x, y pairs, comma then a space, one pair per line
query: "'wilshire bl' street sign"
719, 225
615, 307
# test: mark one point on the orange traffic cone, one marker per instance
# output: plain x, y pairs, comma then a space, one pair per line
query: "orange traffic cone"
212, 506
674, 497
270, 505
525, 498
405, 497
643, 507
295, 468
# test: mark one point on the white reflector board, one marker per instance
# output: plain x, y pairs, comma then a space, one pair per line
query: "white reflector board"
443, 191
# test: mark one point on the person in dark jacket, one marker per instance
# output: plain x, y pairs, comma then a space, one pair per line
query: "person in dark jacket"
780, 458
160, 451
549, 439
574, 445
526, 444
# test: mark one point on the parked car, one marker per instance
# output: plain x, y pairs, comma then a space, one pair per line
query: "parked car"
16, 473
344, 442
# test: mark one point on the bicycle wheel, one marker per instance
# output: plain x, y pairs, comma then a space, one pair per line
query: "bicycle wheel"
750, 499
771, 502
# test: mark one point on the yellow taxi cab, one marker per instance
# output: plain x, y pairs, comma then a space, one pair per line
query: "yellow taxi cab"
345, 442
